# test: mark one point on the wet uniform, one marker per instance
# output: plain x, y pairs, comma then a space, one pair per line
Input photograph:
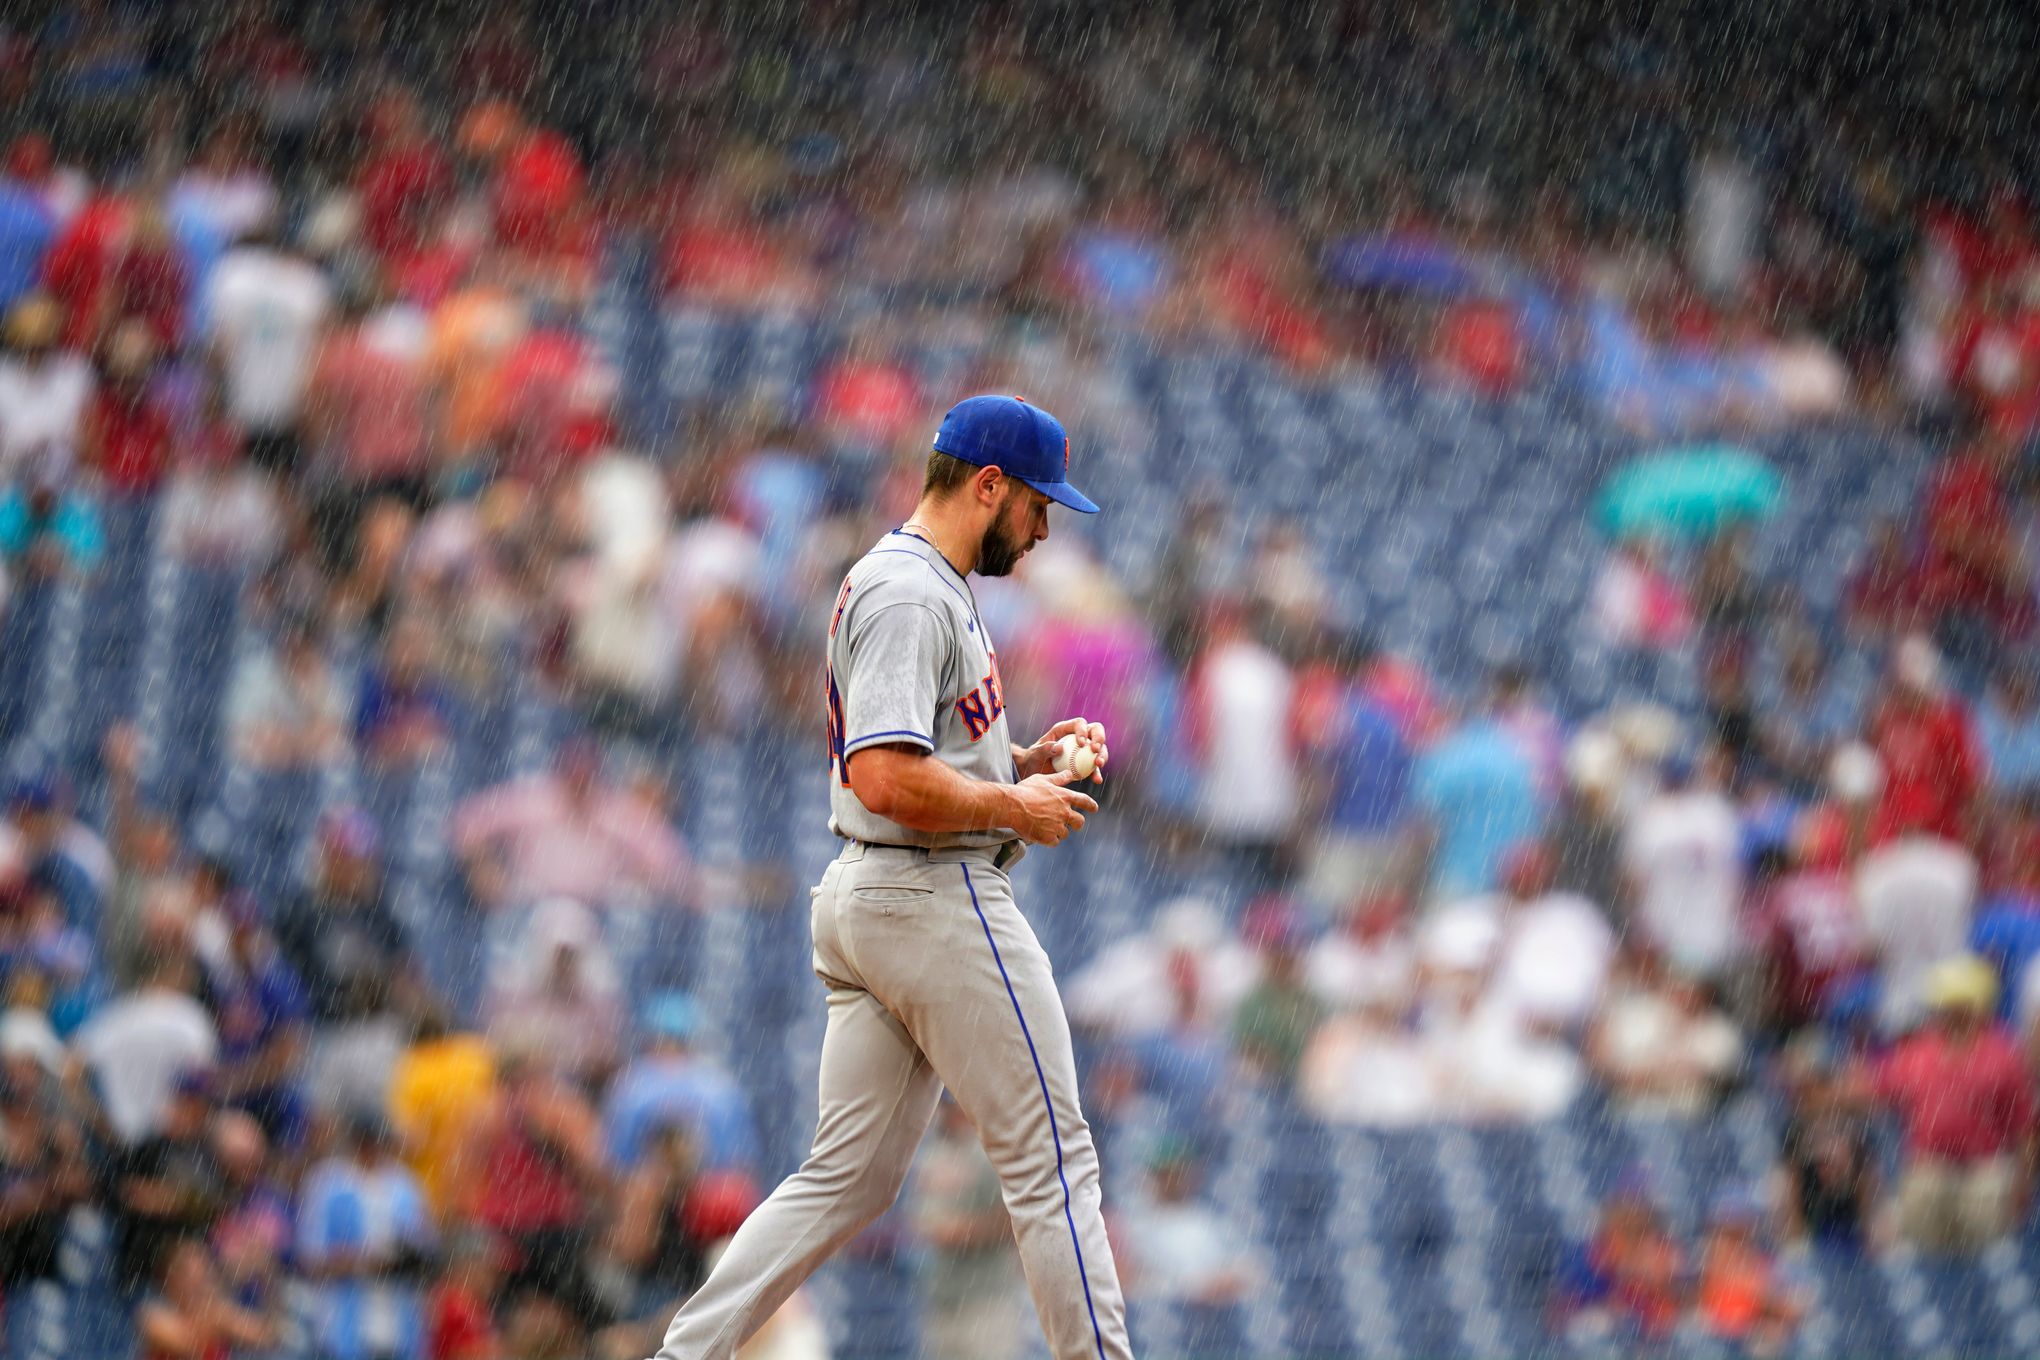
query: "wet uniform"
935, 979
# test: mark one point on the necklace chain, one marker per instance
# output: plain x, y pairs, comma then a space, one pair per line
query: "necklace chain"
930, 541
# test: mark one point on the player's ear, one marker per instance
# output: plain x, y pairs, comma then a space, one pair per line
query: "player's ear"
990, 483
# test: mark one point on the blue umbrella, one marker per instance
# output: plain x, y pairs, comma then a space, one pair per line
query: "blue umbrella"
1395, 262
1688, 494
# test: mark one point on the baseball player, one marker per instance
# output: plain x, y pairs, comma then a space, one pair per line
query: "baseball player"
935, 978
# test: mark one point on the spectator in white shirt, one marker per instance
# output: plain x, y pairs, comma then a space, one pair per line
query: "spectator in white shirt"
624, 645
1127, 990
1365, 1066
287, 710
1917, 896
561, 978
1683, 854
1555, 947
217, 512
267, 309
1181, 1250
1240, 700
43, 392
1487, 1062
1661, 1044
1370, 961
134, 1050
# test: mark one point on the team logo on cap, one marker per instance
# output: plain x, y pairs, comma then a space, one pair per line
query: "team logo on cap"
1066, 458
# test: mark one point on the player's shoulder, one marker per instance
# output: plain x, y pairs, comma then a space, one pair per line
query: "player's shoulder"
894, 573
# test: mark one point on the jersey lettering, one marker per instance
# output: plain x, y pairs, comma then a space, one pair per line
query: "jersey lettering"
980, 708
971, 708
995, 692
838, 763
842, 599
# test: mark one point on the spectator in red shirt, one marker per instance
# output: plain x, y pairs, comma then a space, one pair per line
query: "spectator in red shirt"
1970, 574
1994, 354
1810, 934
2001, 245
867, 397
538, 1174
720, 254
150, 278
1933, 765
460, 1314
125, 433
538, 193
556, 394
1476, 344
403, 182
1961, 1090
79, 268
1880, 598
536, 184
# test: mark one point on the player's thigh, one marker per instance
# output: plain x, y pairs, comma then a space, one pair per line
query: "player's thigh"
995, 1030
877, 1090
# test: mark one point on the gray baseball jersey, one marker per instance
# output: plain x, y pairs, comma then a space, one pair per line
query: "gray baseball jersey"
935, 980
909, 662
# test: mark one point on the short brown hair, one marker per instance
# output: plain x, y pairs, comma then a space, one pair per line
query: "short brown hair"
946, 474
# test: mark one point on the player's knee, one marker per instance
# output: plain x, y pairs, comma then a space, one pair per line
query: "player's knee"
858, 1193
873, 1196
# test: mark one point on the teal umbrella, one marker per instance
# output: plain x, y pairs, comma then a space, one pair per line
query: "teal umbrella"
1688, 494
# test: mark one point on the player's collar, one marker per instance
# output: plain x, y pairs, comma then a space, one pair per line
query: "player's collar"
935, 554
934, 557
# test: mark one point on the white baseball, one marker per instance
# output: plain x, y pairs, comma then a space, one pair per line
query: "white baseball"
1072, 756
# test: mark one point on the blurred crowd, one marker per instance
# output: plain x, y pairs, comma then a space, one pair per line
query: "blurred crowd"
305, 296
1492, 196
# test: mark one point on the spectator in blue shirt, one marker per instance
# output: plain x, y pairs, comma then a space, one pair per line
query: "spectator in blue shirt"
64, 857
363, 1234
27, 230
263, 1011
670, 1082
2008, 722
2006, 929
1805, 721
1478, 794
404, 712
50, 524
1359, 785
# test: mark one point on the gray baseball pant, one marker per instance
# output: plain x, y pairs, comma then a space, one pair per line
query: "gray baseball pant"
935, 979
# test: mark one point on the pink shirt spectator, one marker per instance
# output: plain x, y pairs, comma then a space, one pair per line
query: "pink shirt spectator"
369, 406
1095, 668
590, 848
1637, 604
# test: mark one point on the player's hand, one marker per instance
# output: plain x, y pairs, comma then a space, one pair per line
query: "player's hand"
1049, 809
1040, 757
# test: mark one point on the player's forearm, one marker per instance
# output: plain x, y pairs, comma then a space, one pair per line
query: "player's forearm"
927, 795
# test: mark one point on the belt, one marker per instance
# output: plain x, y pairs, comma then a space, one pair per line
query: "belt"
1002, 854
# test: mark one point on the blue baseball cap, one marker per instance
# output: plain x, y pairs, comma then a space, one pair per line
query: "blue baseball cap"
1018, 438
672, 1015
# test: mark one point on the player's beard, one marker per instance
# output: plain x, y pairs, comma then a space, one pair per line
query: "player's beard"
1003, 545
